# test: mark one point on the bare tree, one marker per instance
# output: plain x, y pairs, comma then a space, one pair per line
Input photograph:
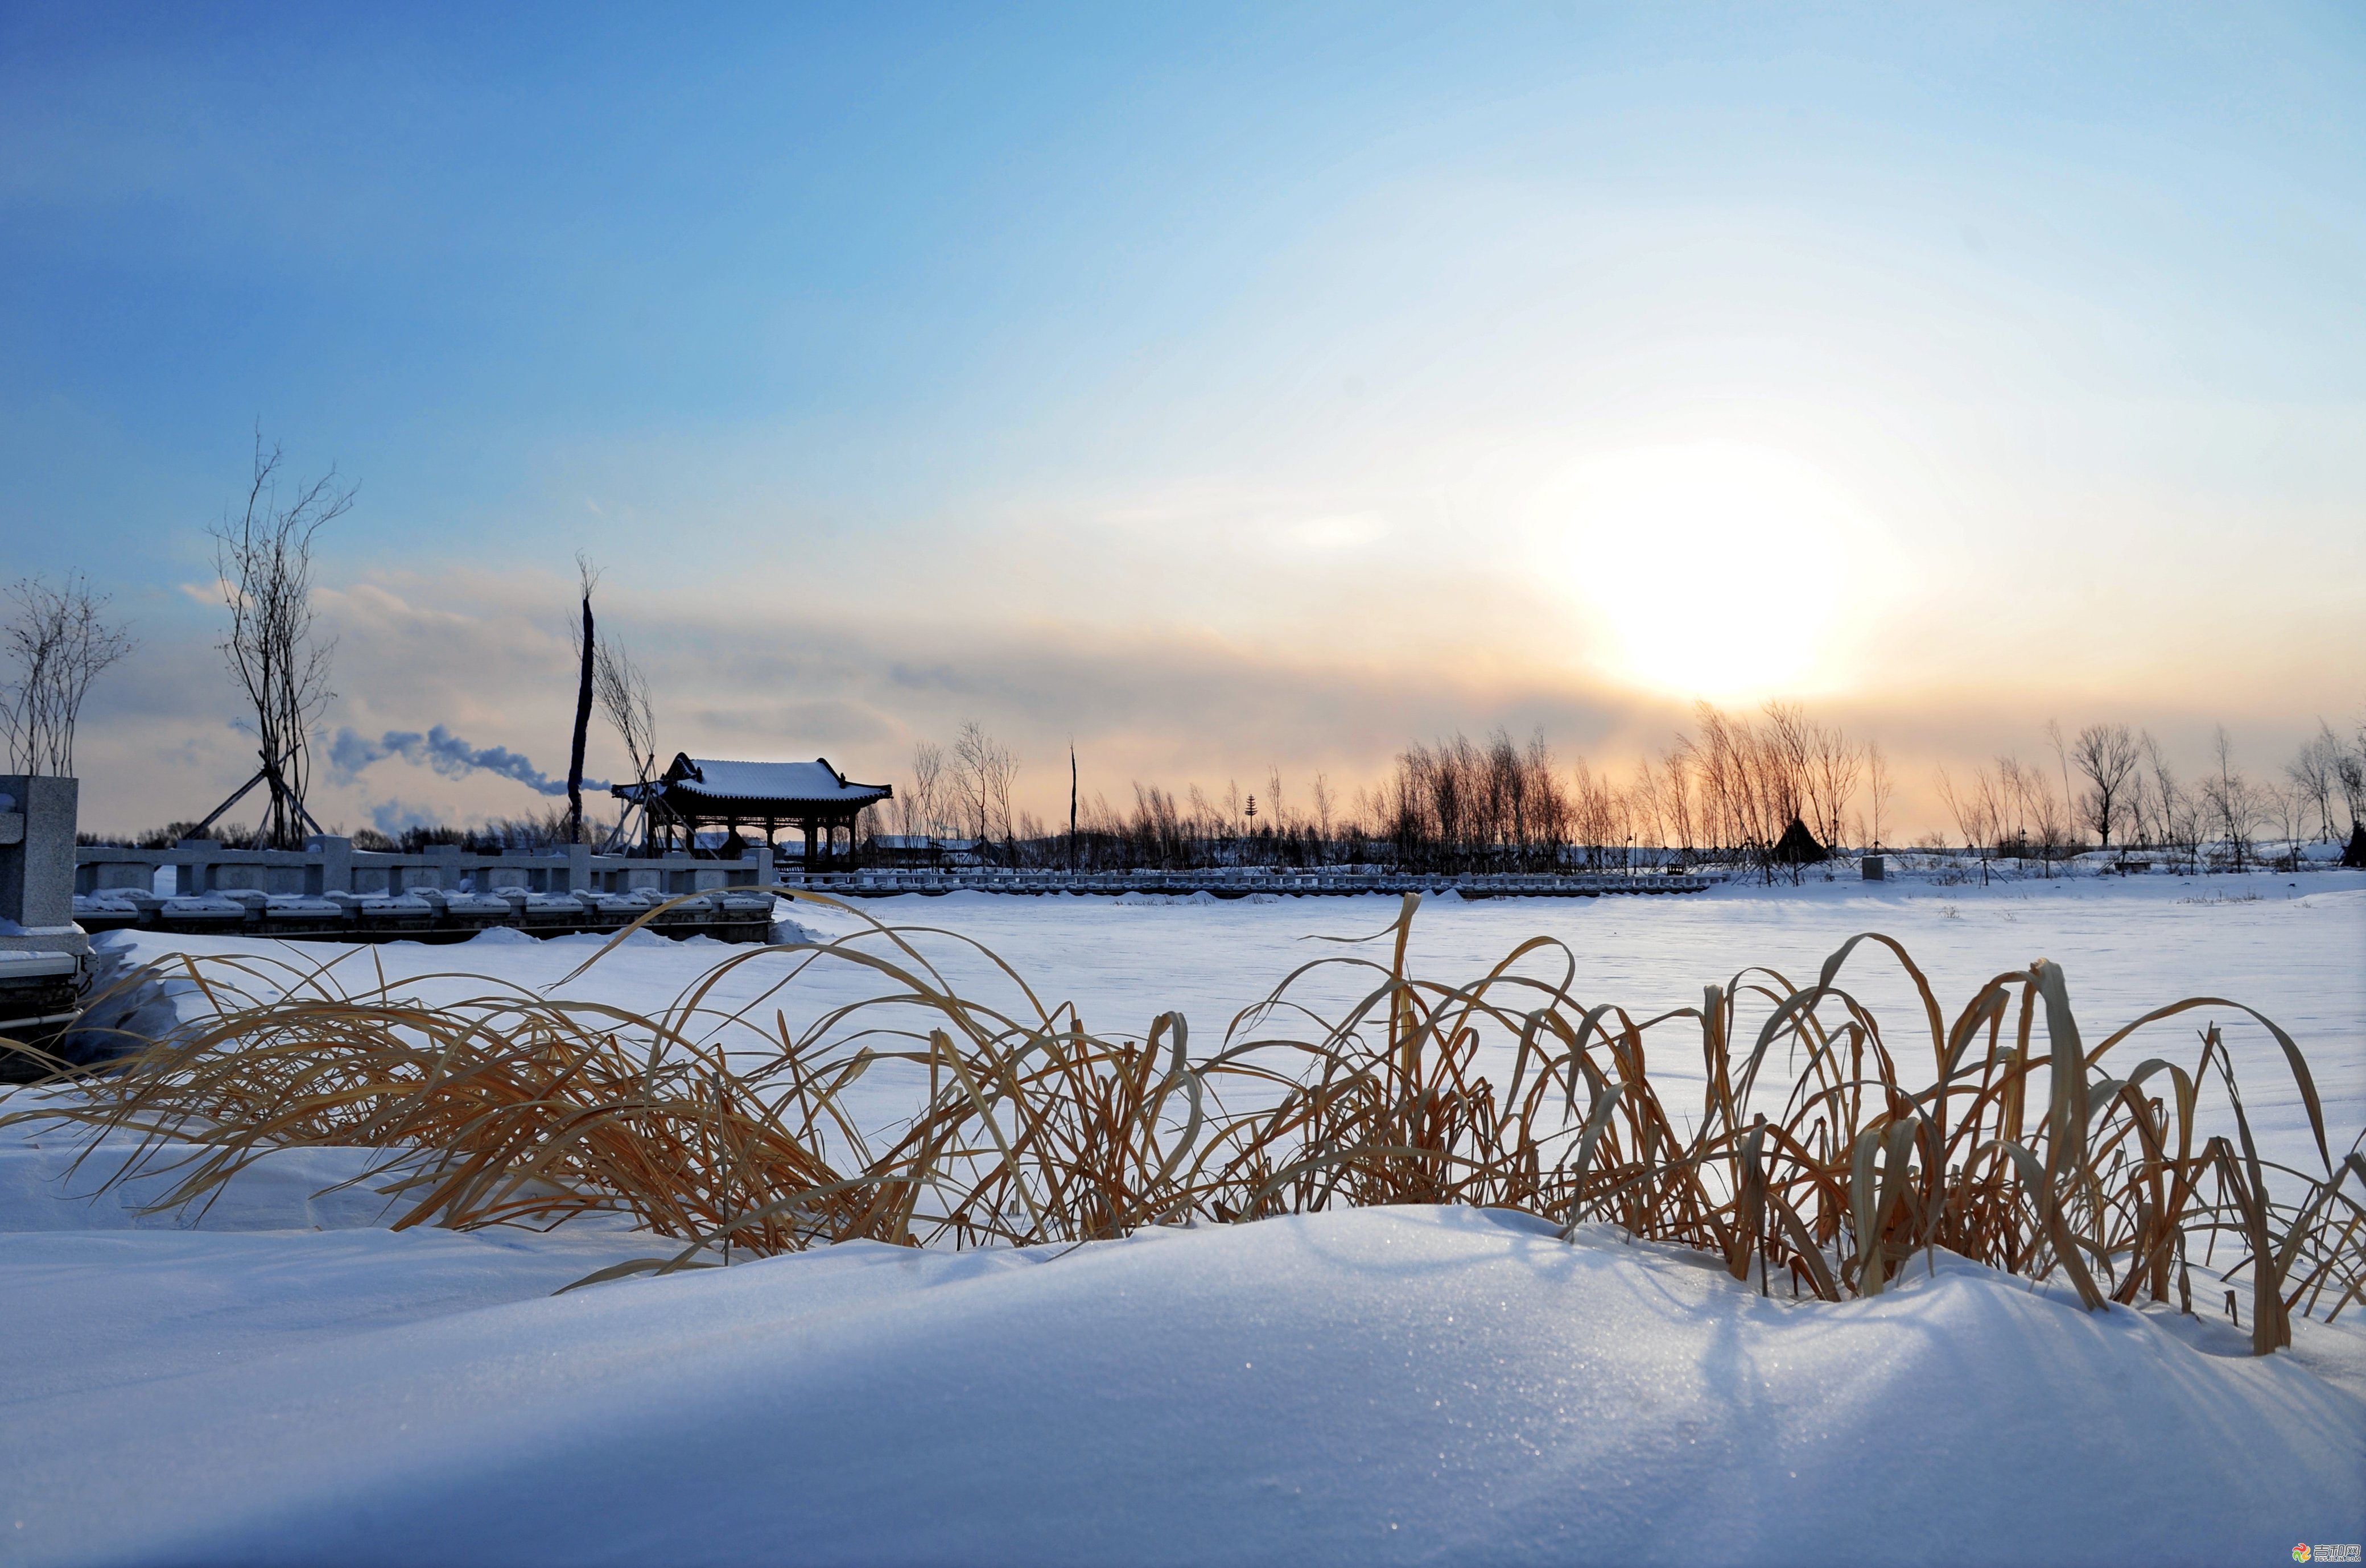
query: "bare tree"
983, 769
1975, 811
622, 692
2232, 801
263, 561
2062, 760
923, 807
1001, 771
587, 657
969, 766
2315, 773
1678, 809
1647, 805
60, 641
2288, 806
2050, 815
2350, 772
2106, 755
2016, 788
2177, 808
1835, 766
1879, 787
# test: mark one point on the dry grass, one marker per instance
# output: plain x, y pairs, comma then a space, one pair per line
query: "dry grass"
725, 1130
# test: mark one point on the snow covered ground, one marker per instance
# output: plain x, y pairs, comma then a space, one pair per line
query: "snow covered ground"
286, 1383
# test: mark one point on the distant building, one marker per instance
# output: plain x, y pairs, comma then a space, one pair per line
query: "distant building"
699, 792
921, 849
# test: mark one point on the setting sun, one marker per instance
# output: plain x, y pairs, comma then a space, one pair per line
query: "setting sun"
1716, 569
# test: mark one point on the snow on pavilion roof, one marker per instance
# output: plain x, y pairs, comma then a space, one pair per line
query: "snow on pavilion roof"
783, 784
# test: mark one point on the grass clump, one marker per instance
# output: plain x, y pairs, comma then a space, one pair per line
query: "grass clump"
1803, 1152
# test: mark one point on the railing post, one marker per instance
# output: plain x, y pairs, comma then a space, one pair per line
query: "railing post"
331, 868
194, 878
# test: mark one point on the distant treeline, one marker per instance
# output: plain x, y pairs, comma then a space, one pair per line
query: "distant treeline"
1768, 794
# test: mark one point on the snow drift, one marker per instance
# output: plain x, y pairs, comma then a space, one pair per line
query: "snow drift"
1380, 1385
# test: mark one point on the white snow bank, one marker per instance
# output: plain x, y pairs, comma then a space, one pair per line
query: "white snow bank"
1375, 1386
42, 1188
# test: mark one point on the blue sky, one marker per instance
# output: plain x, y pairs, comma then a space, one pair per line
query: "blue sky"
1221, 388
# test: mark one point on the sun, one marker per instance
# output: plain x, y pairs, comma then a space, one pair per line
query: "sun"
1716, 568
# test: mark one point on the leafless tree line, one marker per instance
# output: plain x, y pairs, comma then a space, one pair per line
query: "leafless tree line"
964, 794
1733, 793
1768, 792
2119, 787
1191, 828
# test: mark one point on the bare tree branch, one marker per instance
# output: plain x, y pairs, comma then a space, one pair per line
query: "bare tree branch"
263, 561
60, 642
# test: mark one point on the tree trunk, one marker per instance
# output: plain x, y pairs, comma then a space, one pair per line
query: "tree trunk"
583, 728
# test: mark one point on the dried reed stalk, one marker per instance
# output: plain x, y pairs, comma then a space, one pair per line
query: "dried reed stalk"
719, 1129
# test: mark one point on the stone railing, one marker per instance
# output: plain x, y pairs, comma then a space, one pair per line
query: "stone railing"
331, 891
328, 865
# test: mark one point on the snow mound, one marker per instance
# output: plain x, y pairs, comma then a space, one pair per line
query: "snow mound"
642, 938
1364, 1387
43, 1188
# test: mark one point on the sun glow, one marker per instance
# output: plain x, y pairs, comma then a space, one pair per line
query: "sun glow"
1715, 569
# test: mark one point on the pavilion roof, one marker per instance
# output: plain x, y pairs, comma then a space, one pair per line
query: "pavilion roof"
710, 786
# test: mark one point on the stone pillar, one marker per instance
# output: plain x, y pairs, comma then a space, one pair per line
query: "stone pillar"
579, 869
189, 881
333, 869
37, 863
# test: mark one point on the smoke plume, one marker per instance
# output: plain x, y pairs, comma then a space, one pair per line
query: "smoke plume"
446, 752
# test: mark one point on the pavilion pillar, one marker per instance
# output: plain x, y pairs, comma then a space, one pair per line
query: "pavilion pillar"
811, 865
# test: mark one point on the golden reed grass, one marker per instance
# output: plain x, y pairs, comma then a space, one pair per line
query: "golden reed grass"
724, 1129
